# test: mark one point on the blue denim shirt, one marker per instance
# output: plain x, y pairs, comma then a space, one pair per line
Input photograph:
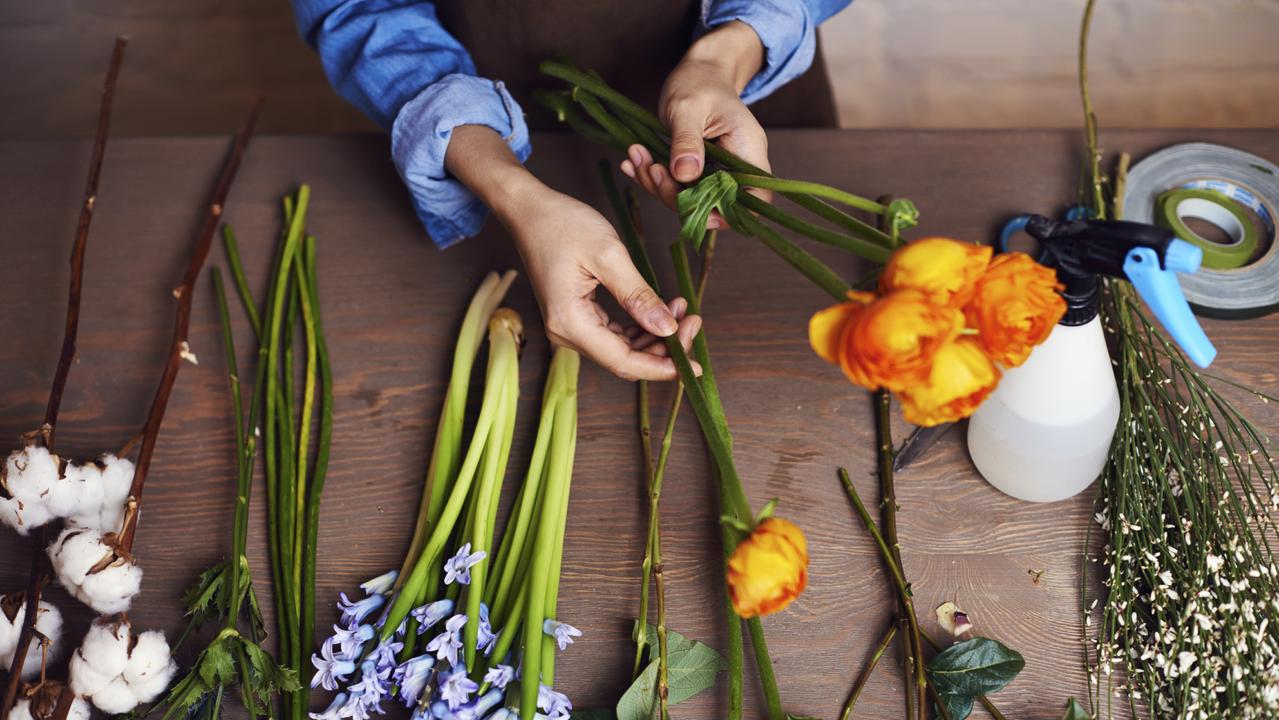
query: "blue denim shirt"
394, 61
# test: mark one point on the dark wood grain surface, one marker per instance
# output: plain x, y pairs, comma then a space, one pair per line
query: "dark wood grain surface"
392, 304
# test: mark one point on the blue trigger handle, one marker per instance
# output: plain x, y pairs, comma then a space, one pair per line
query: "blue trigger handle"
1159, 288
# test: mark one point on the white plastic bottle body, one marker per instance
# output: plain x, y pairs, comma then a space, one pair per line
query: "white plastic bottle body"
1045, 432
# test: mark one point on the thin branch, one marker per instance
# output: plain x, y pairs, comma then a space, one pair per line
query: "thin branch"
35, 580
184, 293
862, 679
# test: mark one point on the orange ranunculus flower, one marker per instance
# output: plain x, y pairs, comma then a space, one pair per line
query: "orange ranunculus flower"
827, 326
945, 270
890, 342
769, 569
1014, 307
961, 378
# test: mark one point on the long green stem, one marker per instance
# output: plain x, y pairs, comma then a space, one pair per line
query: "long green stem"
239, 528
558, 481
804, 187
866, 249
899, 583
862, 679
812, 268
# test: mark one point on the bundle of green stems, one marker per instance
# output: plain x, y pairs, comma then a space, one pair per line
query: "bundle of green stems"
517, 581
618, 122
296, 430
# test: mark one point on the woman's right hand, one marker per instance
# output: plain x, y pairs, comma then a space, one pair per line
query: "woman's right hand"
570, 250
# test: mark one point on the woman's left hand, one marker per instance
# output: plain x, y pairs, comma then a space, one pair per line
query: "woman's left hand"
702, 100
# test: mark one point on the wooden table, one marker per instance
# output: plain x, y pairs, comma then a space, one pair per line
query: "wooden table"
392, 304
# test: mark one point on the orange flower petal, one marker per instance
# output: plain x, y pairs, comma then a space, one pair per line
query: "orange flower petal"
945, 270
825, 328
1015, 306
769, 569
962, 376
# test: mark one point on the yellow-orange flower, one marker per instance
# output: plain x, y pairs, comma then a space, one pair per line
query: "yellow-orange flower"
768, 569
943, 269
961, 378
1014, 307
888, 343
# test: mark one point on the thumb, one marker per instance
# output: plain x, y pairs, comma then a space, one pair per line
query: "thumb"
625, 284
687, 152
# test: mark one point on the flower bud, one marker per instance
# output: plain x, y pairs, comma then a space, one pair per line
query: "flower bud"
768, 569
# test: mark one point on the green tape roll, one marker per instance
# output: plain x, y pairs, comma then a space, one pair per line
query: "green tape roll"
1172, 207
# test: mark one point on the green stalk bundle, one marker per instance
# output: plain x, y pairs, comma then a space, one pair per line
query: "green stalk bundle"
296, 437
1188, 622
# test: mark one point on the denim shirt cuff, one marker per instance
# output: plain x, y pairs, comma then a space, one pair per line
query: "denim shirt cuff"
787, 31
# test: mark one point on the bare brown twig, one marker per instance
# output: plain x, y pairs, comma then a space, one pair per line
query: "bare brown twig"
184, 293
36, 578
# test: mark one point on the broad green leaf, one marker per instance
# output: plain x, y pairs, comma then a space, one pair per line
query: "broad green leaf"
959, 707
974, 667
1075, 711
717, 191
692, 668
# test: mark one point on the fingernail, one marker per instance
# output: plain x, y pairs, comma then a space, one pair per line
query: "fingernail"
628, 169
634, 154
657, 173
697, 368
663, 321
686, 168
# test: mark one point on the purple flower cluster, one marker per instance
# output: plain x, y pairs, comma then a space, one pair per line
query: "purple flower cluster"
435, 685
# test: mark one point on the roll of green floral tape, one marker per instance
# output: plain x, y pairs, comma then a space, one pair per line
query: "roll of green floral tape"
1174, 206
1251, 182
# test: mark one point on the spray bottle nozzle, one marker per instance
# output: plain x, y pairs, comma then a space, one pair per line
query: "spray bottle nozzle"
1145, 255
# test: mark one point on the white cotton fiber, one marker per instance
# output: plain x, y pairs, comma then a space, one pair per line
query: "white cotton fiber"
79, 710
48, 623
91, 571
106, 647
23, 515
116, 698
66, 496
21, 710
29, 473
118, 671
84, 679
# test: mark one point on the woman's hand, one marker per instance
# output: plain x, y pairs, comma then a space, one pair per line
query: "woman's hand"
570, 250
702, 99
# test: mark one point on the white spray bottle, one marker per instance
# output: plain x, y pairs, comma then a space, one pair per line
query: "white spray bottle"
1045, 433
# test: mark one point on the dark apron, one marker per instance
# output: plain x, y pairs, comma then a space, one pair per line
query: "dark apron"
633, 45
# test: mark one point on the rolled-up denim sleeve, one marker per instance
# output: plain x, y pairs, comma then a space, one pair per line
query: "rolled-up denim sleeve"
394, 61
786, 28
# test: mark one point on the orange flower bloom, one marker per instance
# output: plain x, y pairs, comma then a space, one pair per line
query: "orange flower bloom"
888, 343
769, 569
1014, 307
945, 270
961, 378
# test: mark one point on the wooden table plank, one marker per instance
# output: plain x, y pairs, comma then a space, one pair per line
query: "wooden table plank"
392, 304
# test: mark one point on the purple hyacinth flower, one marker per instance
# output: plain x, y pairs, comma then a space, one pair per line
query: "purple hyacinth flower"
381, 584
351, 639
383, 655
556, 704
499, 676
458, 567
332, 711
562, 632
354, 613
413, 677
456, 688
330, 668
446, 644
431, 613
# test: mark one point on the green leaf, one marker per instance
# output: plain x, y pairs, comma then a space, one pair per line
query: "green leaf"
205, 598
974, 667
959, 707
691, 668
717, 191
766, 512
1075, 711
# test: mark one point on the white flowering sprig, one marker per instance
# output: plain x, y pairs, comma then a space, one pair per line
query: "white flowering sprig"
1188, 621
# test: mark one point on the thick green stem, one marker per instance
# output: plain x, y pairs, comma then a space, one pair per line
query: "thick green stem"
869, 250
812, 268
239, 527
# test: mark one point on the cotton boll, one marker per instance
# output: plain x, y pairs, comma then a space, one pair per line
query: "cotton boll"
111, 590
116, 698
74, 553
148, 689
78, 557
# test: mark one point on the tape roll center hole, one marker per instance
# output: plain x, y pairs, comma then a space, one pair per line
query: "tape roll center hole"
1210, 222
